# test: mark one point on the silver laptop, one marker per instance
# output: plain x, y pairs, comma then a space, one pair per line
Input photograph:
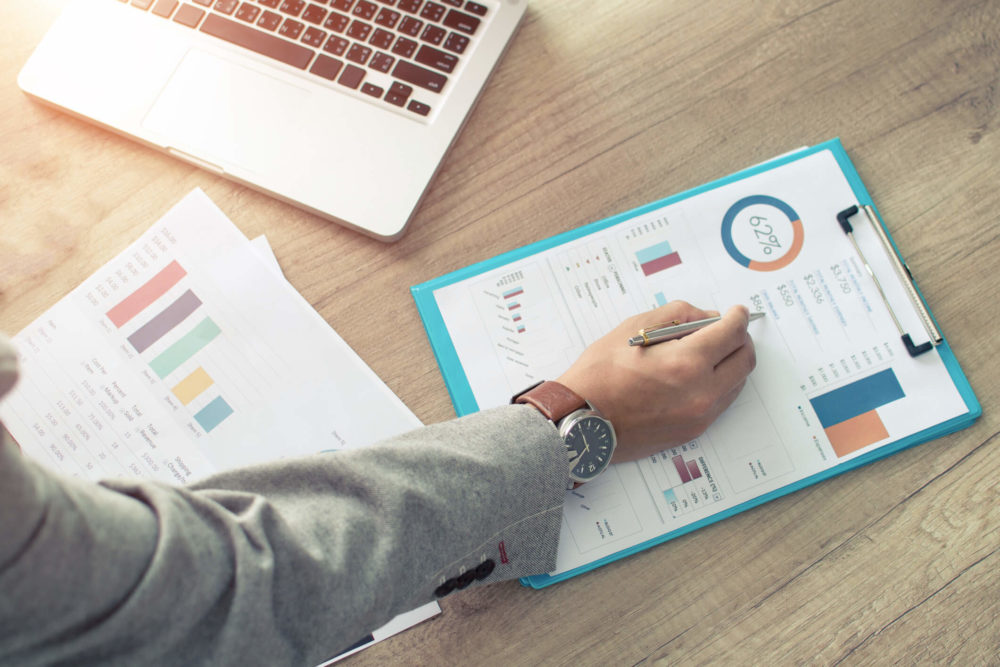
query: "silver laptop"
344, 108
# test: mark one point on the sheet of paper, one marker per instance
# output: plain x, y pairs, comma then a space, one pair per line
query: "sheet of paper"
833, 380
187, 354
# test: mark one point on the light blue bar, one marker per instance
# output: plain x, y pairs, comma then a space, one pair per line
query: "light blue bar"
654, 252
212, 414
661, 300
670, 496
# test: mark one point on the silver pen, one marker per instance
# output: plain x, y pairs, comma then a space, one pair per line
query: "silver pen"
676, 329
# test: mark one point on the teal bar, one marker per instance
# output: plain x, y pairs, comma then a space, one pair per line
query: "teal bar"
212, 414
669, 495
654, 252
660, 299
185, 348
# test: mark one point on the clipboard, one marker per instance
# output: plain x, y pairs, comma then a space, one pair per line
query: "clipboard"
757, 232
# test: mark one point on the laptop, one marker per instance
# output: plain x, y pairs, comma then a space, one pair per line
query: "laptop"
345, 108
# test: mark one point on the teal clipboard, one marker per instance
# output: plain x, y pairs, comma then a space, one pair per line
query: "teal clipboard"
465, 403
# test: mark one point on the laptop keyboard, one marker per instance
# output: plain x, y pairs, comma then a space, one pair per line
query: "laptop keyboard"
400, 52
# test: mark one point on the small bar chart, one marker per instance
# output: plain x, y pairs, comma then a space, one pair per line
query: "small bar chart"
166, 323
656, 258
512, 300
849, 414
683, 479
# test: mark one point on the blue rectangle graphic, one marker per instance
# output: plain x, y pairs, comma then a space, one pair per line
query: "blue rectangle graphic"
654, 252
857, 398
212, 414
661, 300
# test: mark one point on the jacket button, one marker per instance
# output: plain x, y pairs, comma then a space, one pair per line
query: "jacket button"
467, 578
445, 588
484, 569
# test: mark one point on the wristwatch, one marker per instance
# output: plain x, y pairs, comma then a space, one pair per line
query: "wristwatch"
589, 437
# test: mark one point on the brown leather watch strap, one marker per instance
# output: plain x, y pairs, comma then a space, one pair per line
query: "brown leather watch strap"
552, 399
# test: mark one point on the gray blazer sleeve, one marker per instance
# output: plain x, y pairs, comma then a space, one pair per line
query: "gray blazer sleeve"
280, 564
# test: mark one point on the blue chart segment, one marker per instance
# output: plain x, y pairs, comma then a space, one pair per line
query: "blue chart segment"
849, 414
212, 414
657, 257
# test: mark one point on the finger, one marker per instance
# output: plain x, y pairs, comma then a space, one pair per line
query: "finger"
717, 341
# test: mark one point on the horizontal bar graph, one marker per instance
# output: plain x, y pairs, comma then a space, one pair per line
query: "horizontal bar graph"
849, 414
657, 258
161, 324
186, 347
146, 294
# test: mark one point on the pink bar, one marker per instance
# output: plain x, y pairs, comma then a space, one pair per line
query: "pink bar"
681, 469
514, 306
513, 294
695, 471
146, 294
660, 263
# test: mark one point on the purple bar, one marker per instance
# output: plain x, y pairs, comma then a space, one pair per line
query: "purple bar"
695, 471
681, 469
660, 263
170, 317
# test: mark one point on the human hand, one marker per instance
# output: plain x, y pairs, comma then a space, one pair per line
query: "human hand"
664, 395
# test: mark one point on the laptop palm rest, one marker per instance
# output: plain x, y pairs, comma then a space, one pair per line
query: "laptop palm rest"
218, 111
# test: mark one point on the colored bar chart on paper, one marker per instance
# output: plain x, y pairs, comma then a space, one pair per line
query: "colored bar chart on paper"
212, 414
186, 347
161, 324
849, 414
191, 387
511, 298
657, 257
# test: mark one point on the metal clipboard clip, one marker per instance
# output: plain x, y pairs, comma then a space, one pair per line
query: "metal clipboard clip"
902, 271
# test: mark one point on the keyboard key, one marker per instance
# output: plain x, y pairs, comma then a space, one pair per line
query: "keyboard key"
381, 62
418, 107
226, 6
326, 67
428, 55
292, 7
387, 18
453, 3
342, 5
411, 26
352, 76
410, 6
433, 34
291, 29
398, 94
142, 4
314, 37
336, 22
269, 20
371, 89
381, 39
336, 45
204, 3
189, 15
248, 12
404, 47
475, 8
273, 4
165, 8
456, 42
260, 42
419, 76
359, 54
365, 10
463, 22
314, 14
359, 31
432, 11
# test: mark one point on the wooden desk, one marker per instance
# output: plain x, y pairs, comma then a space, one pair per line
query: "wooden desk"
587, 116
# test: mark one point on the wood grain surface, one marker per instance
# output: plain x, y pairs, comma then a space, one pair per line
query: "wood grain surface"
599, 107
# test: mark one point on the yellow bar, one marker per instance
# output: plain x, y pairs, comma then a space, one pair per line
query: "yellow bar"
188, 388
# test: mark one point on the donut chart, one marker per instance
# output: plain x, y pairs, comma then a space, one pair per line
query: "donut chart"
759, 236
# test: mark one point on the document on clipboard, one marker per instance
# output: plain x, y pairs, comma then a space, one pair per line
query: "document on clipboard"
851, 366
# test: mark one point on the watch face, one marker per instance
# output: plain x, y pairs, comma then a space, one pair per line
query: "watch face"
590, 441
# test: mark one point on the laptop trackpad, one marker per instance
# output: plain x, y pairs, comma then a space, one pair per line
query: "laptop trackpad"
219, 111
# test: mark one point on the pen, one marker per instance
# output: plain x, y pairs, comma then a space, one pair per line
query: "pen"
672, 330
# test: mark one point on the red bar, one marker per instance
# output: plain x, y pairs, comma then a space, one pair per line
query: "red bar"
681, 469
660, 263
693, 468
149, 292
514, 306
